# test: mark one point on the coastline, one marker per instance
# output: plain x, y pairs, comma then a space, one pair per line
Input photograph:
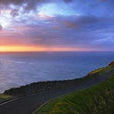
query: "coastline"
30, 97
23, 69
39, 87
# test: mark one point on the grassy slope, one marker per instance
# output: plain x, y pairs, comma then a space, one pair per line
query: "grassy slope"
97, 99
4, 97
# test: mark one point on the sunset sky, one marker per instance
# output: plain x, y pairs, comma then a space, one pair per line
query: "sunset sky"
56, 25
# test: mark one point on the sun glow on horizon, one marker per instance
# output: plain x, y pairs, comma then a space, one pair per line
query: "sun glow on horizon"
20, 49
37, 49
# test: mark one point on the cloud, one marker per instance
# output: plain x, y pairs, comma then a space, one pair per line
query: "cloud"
68, 1
29, 4
78, 21
0, 27
14, 12
86, 26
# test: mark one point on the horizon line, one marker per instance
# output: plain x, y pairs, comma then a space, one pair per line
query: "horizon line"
55, 51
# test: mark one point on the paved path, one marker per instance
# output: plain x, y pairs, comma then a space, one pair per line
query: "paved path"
28, 104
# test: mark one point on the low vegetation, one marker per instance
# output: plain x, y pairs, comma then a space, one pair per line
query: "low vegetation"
98, 99
4, 97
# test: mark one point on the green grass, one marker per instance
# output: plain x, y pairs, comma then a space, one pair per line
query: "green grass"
101, 71
96, 71
97, 99
4, 97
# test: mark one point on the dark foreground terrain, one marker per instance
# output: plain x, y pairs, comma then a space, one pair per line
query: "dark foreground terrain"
30, 97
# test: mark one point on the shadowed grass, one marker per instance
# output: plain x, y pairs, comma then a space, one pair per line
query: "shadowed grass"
101, 71
4, 97
97, 99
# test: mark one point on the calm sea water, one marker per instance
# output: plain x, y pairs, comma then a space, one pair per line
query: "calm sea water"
18, 69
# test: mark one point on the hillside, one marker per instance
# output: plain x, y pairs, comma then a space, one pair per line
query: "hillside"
29, 97
4, 97
98, 99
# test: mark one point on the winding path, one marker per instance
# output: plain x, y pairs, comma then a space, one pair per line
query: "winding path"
28, 104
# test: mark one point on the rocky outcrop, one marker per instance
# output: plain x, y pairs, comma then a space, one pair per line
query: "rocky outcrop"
111, 64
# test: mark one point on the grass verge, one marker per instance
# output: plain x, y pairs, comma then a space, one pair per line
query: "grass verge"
97, 99
4, 98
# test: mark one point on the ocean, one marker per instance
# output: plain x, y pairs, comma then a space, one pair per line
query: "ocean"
18, 69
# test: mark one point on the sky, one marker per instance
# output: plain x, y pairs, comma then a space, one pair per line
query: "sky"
56, 25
